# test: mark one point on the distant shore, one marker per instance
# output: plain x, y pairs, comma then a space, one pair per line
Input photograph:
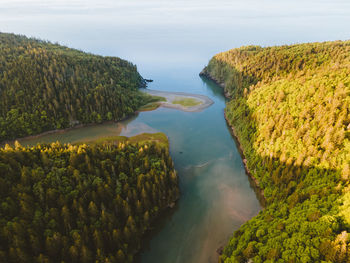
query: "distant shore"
203, 101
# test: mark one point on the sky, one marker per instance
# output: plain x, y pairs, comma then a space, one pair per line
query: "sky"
175, 31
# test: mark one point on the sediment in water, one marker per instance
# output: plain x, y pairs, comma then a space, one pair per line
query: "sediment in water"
253, 181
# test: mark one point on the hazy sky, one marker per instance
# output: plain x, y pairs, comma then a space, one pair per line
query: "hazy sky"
148, 31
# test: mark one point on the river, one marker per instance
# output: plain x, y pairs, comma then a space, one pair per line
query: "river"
216, 197
171, 41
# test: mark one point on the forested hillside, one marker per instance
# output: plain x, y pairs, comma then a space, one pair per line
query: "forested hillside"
290, 109
45, 86
84, 202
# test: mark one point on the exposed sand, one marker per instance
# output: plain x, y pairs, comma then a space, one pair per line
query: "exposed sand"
204, 101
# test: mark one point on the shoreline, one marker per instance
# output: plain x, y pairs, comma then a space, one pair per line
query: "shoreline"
3, 143
204, 101
253, 181
61, 131
205, 74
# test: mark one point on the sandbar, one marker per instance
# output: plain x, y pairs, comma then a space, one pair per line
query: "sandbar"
203, 101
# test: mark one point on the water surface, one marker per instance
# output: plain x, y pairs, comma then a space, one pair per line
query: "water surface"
171, 41
216, 197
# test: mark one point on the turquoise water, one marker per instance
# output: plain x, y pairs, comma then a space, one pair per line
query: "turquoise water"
216, 197
171, 41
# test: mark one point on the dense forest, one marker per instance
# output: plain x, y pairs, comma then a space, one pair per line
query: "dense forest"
45, 86
84, 202
290, 109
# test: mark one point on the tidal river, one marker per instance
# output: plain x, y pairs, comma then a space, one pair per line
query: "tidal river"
216, 197
170, 42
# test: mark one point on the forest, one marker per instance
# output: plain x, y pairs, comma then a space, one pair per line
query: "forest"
289, 106
45, 86
85, 202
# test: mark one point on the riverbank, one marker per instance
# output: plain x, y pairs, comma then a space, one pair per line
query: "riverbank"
253, 181
181, 101
200, 102
151, 164
62, 131
205, 74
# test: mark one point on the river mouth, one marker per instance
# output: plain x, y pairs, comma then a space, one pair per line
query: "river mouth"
216, 196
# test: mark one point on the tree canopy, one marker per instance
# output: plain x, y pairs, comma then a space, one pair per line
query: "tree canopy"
45, 86
82, 202
290, 109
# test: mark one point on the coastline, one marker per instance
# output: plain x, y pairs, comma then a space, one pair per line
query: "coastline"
207, 75
205, 102
253, 181
61, 131
3, 143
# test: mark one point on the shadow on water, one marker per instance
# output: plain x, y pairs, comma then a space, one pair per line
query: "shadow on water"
258, 191
213, 88
219, 92
81, 133
216, 197
157, 226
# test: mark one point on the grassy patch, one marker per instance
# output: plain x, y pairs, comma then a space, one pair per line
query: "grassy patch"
151, 98
142, 138
187, 102
149, 107
151, 102
158, 98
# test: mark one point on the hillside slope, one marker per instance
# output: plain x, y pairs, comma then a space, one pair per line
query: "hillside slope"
290, 109
83, 202
45, 86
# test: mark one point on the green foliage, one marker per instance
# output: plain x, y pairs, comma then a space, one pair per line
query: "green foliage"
45, 86
84, 202
290, 109
143, 138
153, 102
187, 102
150, 106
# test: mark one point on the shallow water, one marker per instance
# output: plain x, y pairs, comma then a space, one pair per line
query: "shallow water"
216, 197
171, 41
